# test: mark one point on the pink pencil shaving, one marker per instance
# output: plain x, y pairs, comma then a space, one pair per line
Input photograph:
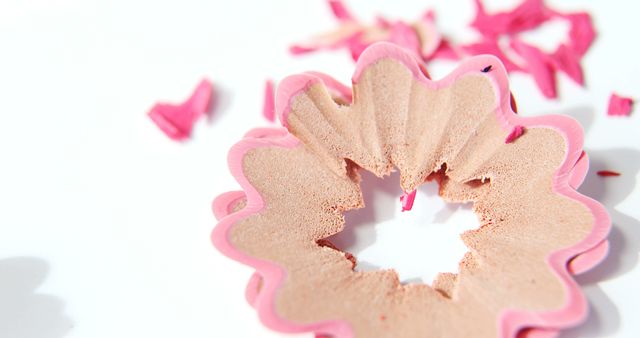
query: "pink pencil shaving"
516, 132
268, 105
619, 106
340, 11
177, 121
407, 200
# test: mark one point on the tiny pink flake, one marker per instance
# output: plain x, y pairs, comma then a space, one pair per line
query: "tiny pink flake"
268, 106
619, 106
177, 121
297, 49
407, 200
340, 11
607, 173
516, 132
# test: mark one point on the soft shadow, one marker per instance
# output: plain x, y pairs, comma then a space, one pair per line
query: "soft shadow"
603, 319
25, 313
443, 215
583, 114
354, 219
220, 103
624, 238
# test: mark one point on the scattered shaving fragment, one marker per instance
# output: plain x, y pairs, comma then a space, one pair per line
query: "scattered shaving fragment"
582, 33
423, 39
268, 106
607, 173
340, 11
177, 121
420, 37
539, 66
543, 66
619, 105
567, 61
407, 200
516, 132
528, 15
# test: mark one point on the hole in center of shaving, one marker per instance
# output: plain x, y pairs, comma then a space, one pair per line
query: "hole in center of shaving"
418, 244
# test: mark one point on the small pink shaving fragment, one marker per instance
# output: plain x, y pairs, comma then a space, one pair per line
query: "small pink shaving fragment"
268, 105
607, 173
539, 66
177, 121
528, 15
543, 66
567, 60
619, 106
516, 132
582, 33
340, 11
297, 50
407, 200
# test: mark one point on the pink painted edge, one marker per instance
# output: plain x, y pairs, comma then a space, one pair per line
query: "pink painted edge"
579, 171
266, 132
222, 203
272, 274
578, 265
588, 259
336, 88
511, 321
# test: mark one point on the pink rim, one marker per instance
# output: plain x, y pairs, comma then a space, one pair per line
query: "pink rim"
510, 321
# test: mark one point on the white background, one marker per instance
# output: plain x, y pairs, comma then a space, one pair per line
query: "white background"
105, 223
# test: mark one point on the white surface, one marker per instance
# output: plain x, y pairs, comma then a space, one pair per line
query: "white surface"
104, 222
381, 236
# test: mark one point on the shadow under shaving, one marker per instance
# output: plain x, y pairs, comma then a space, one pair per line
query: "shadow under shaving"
220, 103
24, 313
624, 238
